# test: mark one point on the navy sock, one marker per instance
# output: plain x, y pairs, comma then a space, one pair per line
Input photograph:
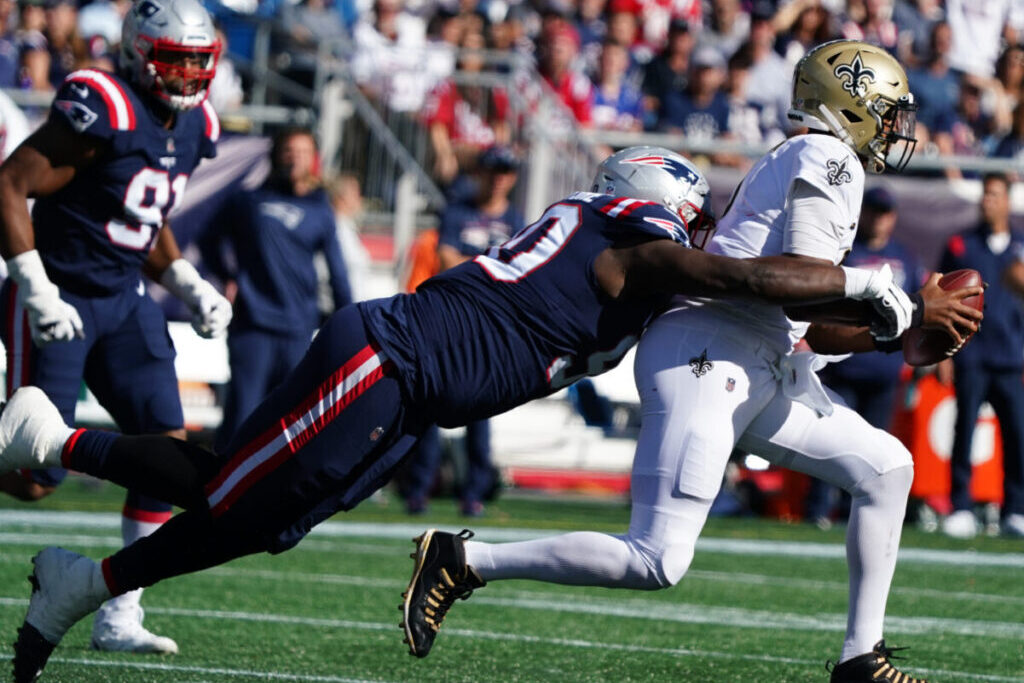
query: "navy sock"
160, 467
90, 450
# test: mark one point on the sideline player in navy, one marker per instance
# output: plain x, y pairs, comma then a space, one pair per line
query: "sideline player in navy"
563, 299
469, 228
106, 169
274, 232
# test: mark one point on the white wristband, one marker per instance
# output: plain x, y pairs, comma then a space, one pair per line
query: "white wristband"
183, 281
27, 270
863, 284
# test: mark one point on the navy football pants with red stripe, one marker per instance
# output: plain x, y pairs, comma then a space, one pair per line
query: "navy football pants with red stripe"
330, 435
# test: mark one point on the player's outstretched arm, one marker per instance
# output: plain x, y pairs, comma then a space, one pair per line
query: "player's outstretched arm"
662, 267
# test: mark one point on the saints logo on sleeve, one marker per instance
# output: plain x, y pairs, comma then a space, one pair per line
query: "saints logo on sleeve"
837, 172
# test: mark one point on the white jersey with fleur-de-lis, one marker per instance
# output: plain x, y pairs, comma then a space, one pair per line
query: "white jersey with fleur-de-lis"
817, 170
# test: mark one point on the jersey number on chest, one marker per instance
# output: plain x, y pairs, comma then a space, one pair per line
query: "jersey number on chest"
151, 195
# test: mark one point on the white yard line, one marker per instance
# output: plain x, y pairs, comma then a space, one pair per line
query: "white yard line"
958, 558
244, 673
467, 633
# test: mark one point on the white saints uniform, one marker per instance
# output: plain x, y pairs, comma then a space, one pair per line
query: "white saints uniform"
714, 375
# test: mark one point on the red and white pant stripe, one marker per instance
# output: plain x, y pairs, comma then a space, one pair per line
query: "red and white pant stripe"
293, 431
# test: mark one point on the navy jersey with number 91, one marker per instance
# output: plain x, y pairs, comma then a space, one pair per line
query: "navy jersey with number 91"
524, 319
95, 233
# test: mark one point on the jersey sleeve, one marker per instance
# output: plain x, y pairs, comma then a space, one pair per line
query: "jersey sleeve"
823, 203
94, 103
627, 217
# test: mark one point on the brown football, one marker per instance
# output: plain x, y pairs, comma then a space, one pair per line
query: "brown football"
926, 347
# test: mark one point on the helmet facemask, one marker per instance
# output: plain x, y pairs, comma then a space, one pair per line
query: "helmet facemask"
700, 224
181, 74
894, 144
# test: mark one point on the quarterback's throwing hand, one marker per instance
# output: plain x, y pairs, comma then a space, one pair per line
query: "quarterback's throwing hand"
945, 309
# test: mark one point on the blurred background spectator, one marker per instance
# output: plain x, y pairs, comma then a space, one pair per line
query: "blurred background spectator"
464, 119
701, 112
618, 105
272, 234
467, 230
989, 368
557, 53
668, 72
802, 24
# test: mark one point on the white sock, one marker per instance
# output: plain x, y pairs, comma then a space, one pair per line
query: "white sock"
134, 529
584, 558
872, 542
131, 531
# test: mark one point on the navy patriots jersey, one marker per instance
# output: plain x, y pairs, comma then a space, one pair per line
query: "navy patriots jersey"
524, 319
95, 233
274, 236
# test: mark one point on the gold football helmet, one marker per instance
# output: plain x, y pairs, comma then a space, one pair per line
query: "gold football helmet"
859, 93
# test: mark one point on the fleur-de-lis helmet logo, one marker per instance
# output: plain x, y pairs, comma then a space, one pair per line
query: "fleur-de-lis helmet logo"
855, 76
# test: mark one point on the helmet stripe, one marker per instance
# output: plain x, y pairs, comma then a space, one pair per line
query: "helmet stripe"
119, 107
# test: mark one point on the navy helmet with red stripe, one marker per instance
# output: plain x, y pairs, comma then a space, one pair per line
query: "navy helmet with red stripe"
169, 48
659, 175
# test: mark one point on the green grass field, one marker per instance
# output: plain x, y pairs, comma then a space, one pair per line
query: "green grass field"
763, 602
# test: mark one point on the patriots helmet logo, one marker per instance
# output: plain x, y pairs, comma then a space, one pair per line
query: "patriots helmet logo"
671, 165
674, 230
855, 76
79, 115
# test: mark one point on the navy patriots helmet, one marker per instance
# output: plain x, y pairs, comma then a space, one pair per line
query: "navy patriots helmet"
659, 175
169, 48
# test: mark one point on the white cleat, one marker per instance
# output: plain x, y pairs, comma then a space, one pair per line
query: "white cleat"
118, 628
65, 587
1013, 526
961, 524
32, 432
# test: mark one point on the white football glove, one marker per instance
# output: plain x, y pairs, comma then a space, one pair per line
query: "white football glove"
50, 318
211, 312
894, 306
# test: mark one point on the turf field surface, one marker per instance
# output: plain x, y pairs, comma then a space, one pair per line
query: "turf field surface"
763, 601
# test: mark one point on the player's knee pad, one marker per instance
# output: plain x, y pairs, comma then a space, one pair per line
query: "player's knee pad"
892, 485
666, 565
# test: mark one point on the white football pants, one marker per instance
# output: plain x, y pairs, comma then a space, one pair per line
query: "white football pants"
694, 413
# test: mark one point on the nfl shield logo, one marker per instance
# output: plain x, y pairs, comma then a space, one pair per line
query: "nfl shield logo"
730, 384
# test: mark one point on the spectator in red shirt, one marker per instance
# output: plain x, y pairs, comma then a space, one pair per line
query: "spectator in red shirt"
558, 49
464, 120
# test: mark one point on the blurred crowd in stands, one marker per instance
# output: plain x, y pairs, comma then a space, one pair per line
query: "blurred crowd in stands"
709, 69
